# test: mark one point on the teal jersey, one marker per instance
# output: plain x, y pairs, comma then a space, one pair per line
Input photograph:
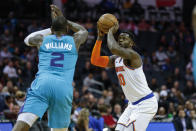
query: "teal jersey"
57, 57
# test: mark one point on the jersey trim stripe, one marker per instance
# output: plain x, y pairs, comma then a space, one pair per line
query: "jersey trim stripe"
129, 67
144, 98
127, 124
133, 126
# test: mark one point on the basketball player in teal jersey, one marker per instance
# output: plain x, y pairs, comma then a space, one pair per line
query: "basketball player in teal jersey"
52, 89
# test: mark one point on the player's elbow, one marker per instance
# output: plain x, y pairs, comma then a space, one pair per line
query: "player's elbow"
93, 60
86, 34
26, 41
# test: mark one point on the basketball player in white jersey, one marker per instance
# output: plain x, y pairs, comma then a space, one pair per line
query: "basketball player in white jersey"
128, 65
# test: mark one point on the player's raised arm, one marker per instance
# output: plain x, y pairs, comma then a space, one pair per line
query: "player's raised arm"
36, 38
80, 34
96, 58
123, 50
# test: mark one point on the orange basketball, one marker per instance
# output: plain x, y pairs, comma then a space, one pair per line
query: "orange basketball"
106, 21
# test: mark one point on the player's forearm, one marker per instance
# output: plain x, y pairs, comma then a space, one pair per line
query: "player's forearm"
194, 21
112, 43
96, 59
44, 32
75, 27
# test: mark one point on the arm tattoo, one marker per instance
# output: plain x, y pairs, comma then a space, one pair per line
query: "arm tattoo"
36, 40
80, 34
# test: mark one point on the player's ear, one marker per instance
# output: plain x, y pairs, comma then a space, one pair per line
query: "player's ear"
132, 43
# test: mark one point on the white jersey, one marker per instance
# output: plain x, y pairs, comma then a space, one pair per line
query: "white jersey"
132, 81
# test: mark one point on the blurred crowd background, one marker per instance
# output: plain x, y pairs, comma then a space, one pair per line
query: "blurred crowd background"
164, 39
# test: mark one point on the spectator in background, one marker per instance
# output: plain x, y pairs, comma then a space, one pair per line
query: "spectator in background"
153, 84
28, 74
177, 76
33, 27
127, 7
189, 89
105, 79
117, 112
7, 37
171, 53
163, 42
9, 89
9, 101
143, 26
171, 110
108, 119
161, 115
193, 119
83, 121
189, 75
127, 4
161, 57
10, 71
5, 53
137, 10
87, 69
20, 98
188, 108
2, 101
89, 81
133, 27
182, 123
96, 121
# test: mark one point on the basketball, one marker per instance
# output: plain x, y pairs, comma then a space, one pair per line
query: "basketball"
106, 21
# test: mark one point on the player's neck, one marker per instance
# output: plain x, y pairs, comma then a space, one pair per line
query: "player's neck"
59, 34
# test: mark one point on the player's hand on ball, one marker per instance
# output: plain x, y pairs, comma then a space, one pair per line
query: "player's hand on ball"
55, 11
114, 28
100, 33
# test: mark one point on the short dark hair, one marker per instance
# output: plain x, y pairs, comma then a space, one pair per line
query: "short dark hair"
59, 23
131, 35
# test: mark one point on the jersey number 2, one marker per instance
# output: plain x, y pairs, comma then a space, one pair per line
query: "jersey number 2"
60, 57
121, 79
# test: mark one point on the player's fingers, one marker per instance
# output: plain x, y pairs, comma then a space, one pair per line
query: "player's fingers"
52, 7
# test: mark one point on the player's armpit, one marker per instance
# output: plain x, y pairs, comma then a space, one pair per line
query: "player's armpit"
96, 59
